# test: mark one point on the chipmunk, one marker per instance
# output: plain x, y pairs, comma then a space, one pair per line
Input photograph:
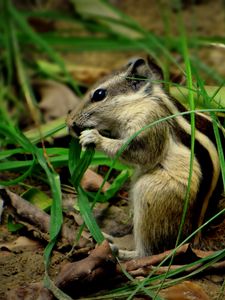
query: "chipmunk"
119, 106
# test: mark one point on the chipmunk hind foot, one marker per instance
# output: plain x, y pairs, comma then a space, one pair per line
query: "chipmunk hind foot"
213, 237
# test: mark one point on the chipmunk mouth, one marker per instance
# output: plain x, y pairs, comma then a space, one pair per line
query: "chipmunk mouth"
76, 130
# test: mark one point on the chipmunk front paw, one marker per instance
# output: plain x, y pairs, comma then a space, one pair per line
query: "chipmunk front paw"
90, 136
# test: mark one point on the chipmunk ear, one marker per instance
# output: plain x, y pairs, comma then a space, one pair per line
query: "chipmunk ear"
134, 60
138, 73
145, 68
156, 70
138, 66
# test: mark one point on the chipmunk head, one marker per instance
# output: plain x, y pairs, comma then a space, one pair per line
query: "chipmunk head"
114, 94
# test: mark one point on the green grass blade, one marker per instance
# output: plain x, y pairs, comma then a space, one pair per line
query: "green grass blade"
82, 166
39, 42
52, 129
78, 167
54, 181
87, 215
7, 131
217, 95
74, 155
192, 116
7, 153
219, 137
38, 198
117, 184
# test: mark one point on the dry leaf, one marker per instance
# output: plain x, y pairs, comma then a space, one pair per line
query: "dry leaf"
33, 217
87, 74
92, 181
22, 243
95, 8
56, 99
186, 290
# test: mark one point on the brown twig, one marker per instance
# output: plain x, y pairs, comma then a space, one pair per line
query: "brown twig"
28, 213
95, 269
153, 260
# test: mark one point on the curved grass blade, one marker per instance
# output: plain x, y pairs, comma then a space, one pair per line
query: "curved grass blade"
81, 166
17, 17
7, 131
87, 215
53, 179
116, 185
77, 166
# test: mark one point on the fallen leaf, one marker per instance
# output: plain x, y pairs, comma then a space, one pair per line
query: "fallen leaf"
36, 219
22, 243
38, 198
56, 98
186, 290
87, 74
92, 181
95, 8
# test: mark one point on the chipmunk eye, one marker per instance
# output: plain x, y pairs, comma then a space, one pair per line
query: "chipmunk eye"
98, 95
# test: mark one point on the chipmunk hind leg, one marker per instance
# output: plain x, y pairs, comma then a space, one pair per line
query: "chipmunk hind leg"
158, 204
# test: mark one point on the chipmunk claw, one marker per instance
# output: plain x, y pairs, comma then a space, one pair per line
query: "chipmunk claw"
89, 136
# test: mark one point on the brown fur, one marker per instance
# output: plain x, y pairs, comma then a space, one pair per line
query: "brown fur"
160, 155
